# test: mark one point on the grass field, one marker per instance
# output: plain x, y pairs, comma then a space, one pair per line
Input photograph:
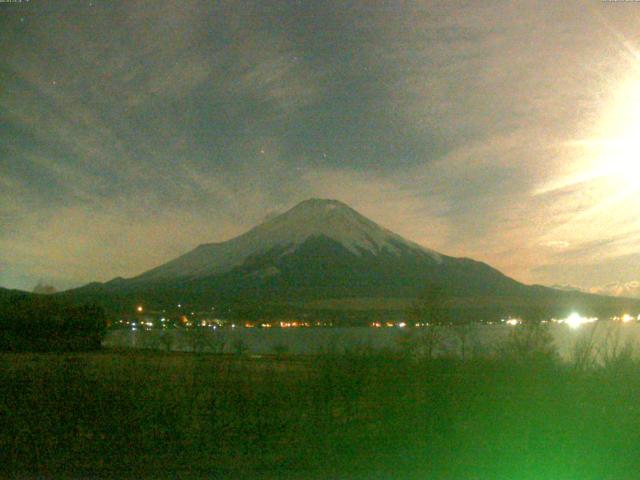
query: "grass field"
515, 414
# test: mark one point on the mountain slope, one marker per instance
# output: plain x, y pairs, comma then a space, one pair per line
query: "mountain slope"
312, 218
324, 251
6, 293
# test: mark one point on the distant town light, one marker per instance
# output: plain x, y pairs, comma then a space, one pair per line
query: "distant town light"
575, 320
139, 309
626, 318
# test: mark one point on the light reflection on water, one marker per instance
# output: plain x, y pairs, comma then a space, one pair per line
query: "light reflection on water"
477, 338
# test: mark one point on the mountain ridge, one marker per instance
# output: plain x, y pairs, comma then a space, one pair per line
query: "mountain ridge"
324, 251
312, 217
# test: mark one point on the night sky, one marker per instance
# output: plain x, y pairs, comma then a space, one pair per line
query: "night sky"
509, 132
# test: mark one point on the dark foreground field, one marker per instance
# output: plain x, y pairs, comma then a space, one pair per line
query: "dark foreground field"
516, 414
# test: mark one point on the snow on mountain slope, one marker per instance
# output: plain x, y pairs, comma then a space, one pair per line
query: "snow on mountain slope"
310, 218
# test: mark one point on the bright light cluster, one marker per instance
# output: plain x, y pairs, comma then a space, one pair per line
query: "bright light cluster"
575, 320
626, 318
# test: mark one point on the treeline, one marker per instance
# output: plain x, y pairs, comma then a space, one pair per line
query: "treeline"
43, 323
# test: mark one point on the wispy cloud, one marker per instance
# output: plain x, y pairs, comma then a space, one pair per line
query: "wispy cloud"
169, 124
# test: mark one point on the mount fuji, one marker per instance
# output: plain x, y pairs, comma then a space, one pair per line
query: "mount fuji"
316, 221
323, 255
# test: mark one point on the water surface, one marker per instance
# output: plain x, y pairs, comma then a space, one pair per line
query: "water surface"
604, 337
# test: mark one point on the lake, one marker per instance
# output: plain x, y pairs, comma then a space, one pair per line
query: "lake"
604, 335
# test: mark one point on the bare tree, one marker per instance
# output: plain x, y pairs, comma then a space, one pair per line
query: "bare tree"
196, 338
150, 339
464, 332
215, 340
167, 339
240, 347
527, 343
429, 311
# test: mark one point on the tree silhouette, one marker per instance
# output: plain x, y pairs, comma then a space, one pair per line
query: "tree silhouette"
429, 311
431, 306
42, 323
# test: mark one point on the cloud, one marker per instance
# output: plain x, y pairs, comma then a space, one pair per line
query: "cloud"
557, 244
629, 289
392, 201
619, 289
175, 123
70, 236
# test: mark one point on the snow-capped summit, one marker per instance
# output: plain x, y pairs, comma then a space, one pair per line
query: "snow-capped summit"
321, 257
332, 219
313, 218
